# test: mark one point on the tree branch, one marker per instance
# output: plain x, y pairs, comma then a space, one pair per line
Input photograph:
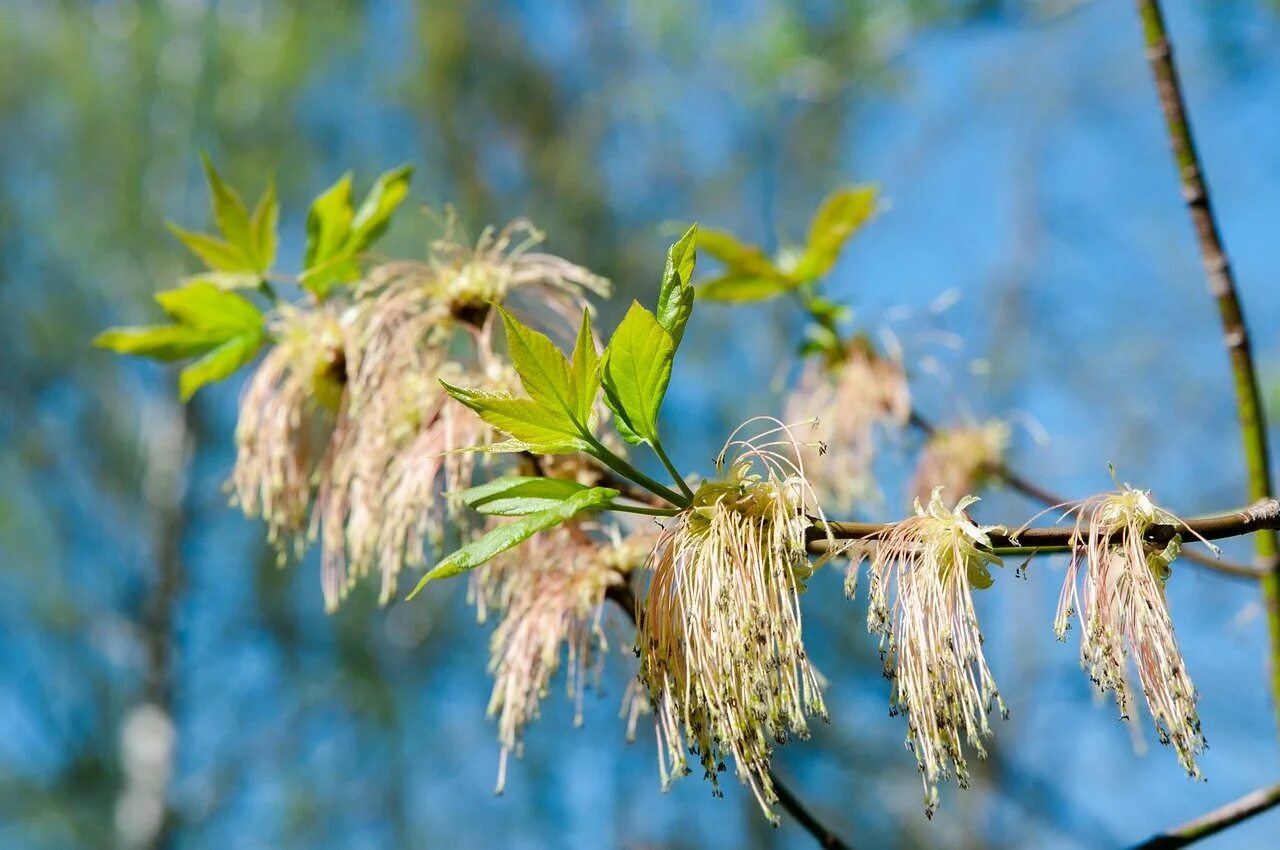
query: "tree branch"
1222, 286
1263, 516
1253, 803
1016, 482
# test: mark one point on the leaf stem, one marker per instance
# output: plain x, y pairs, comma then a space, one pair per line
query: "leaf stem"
637, 509
265, 287
671, 468
601, 453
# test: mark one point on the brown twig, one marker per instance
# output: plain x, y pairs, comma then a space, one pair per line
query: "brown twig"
1248, 520
1253, 803
1222, 286
1033, 491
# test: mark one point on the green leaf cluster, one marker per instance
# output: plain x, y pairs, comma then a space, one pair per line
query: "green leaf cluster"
557, 415
244, 249
338, 231
751, 275
224, 330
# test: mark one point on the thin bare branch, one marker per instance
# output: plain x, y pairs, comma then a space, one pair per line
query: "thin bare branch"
1253, 803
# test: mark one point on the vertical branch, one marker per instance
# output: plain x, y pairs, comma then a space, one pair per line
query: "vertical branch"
1253, 429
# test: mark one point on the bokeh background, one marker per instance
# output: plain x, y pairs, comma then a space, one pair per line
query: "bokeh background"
147, 642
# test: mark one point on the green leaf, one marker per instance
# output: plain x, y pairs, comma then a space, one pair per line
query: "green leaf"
218, 254
543, 369
637, 369
262, 229
229, 211
839, 217
512, 534
740, 289
337, 232
517, 495
536, 428
218, 363
374, 215
584, 370
206, 307
326, 260
160, 342
225, 328
738, 257
675, 299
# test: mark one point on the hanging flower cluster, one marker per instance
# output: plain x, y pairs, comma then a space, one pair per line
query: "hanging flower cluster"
720, 641
850, 399
395, 449
1115, 583
551, 594
961, 459
923, 571
287, 416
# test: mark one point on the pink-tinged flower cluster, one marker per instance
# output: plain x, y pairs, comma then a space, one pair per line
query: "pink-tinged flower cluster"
551, 594
850, 402
923, 571
1115, 584
345, 432
287, 416
960, 459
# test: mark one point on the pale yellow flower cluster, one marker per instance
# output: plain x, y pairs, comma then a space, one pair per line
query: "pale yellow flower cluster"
719, 637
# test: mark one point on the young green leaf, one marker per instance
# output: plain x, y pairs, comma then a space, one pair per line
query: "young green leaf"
374, 215
159, 342
218, 254
512, 534
219, 363
262, 229
517, 495
225, 328
839, 217
675, 298
203, 306
743, 288
636, 371
584, 370
337, 232
531, 426
325, 260
229, 211
543, 369
739, 258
